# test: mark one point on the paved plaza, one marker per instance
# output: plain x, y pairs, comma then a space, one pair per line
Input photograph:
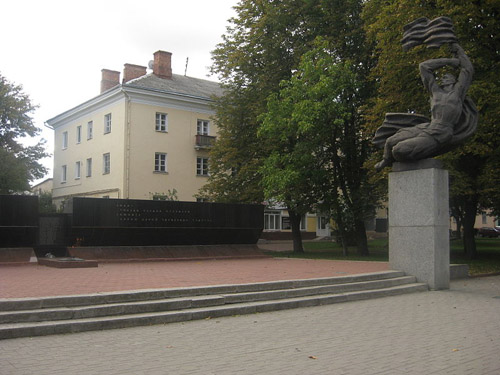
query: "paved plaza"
440, 332
39, 281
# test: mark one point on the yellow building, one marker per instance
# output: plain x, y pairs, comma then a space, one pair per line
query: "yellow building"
143, 138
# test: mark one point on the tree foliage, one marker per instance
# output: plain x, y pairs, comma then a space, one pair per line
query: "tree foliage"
319, 150
473, 166
261, 48
19, 164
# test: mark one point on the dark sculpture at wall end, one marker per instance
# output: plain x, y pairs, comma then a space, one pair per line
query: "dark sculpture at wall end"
407, 137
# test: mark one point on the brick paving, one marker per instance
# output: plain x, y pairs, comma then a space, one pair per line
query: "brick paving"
441, 332
32, 280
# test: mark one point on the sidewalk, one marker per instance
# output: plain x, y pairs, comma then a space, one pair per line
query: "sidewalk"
433, 333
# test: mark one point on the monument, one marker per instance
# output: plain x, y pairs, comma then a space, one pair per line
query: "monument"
418, 185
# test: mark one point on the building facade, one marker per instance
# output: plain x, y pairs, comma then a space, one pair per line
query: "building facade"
144, 138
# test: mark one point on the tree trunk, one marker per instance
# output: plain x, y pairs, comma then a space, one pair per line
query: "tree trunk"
296, 234
361, 240
468, 225
345, 248
459, 227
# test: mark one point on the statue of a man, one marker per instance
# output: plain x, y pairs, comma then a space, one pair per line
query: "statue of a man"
409, 137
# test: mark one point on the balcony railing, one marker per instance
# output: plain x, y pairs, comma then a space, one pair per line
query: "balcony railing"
203, 141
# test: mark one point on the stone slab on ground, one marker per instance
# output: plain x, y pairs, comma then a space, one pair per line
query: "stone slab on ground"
67, 263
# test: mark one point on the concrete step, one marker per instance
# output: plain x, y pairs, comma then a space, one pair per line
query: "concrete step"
91, 311
133, 320
183, 304
13, 304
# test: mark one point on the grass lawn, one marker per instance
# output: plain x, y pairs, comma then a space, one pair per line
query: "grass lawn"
488, 260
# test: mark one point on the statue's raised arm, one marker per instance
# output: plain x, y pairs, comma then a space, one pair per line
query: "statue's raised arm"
410, 137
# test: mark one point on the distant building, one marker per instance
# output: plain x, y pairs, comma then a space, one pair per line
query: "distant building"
43, 187
143, 138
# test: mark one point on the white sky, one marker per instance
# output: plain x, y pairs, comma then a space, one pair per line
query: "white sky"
56, 49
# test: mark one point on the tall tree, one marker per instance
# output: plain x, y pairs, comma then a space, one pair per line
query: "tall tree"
262, 47
19, 164
400, 89
318, 149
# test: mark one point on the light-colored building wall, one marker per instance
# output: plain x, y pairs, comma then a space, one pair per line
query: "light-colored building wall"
178, 142
98, 183
43, 187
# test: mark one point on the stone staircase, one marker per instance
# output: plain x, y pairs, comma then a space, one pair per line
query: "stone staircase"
26, 317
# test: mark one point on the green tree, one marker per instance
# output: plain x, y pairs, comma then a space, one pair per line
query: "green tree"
318, 148
261, 48
19, 164
45, 204
399, 89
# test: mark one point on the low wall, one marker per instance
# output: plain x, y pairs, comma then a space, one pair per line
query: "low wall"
15, 255
129, 222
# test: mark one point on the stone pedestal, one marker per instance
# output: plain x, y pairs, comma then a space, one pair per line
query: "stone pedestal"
419, 222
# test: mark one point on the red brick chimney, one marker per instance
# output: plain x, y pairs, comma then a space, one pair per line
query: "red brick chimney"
110, 78
131, 71
162, 64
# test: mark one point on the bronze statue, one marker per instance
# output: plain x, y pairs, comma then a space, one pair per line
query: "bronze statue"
411, 137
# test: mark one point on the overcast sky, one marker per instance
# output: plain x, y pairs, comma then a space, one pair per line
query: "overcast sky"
56, 49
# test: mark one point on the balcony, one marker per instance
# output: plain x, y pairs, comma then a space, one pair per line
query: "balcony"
203, 141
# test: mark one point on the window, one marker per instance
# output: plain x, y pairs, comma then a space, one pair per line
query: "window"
201, 166
78, 167
107, 123
78, 134
203, 127
272, 220
303, 222
90, 129
484, 218
65, 140
322, 222
160, 162
63, 173
161, 122
89, 167
106, 163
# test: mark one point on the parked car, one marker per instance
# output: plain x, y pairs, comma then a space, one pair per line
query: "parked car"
489, 232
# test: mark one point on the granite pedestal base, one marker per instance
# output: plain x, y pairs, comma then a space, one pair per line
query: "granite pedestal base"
419, 222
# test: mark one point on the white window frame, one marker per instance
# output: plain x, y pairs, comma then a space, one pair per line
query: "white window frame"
79, 134
161, 122
160, 162
90, 130
272, 220
78, 170
89, 168
106, 163
64, 174
203, 127
107, 123
202, 166
64, 140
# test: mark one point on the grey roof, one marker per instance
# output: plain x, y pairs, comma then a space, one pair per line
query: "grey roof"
178, 84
